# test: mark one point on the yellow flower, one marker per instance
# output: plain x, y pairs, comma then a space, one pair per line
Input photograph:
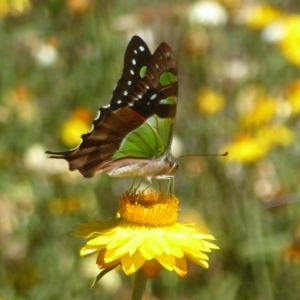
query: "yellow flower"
254, 106
78, 6
262, 112
146, 236
261, 15
13, 7
276, 135
64, 206
19, 102
290, 43
210, 102
293, 96
73, 128
246, 149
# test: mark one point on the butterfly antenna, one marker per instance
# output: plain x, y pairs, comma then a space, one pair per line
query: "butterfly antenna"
204, 154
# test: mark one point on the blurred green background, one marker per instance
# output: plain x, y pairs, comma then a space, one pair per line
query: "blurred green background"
239, 91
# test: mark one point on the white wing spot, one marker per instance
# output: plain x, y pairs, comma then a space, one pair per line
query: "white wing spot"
142, 48
135, 51
125, 93
119, 101
153, 96
160, 57
92, 128
148, 103
147, 87
140, 96
131, 72
134, 62
98, 115
129, 82
156, 66
105, 106
167, 54
130, 104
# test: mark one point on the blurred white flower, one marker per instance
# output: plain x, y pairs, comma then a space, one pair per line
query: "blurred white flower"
273, 33
266, 185
126, 22
236, 69
235, 171
45, 54
284, 109
35, 159
208, 13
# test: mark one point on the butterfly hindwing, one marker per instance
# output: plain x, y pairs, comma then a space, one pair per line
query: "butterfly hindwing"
138, 122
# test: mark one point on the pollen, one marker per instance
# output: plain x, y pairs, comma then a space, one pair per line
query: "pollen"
149, 208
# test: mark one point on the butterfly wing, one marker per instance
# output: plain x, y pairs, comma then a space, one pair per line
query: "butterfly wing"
138, 123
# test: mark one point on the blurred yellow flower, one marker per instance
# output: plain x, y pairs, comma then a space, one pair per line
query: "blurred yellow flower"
209, 102
19, 102
280, 135
290, 43
14, 7
147, 236
293, 96
263, 111
78, 6
195, 43
64, 206
260, 15
73, 128
19, 95
246, 149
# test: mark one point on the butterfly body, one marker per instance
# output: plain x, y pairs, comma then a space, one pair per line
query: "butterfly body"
150, 168
132, 135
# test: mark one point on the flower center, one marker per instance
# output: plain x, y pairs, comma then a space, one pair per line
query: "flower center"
149, 208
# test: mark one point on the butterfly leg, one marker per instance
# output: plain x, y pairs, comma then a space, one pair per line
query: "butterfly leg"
171, 187
131, 188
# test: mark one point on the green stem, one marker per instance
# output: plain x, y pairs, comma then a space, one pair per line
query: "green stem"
139, 285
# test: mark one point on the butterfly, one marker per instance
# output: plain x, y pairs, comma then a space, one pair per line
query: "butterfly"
132, 135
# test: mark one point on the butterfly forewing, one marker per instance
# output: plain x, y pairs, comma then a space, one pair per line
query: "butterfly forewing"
137, 56
138, 123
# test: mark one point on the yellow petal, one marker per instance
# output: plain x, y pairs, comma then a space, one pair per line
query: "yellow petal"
131, 264
181, 266
197, 260
119, 240
130, 245
102, 264
167, 261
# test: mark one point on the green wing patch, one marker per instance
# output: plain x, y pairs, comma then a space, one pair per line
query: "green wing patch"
143, 142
